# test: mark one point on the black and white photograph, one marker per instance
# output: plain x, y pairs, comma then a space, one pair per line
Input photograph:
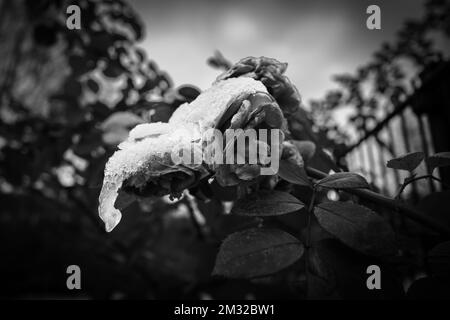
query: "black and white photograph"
224, 156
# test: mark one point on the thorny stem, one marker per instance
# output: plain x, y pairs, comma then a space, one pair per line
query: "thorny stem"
308, 238
411, 180
393, 204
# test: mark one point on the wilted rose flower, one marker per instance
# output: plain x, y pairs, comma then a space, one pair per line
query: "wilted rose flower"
249, 111
143, 165
252, 94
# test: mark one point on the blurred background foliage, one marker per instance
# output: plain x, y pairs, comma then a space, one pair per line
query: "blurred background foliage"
395, 71
68, 97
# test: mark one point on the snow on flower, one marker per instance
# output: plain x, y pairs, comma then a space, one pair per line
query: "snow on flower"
143, 163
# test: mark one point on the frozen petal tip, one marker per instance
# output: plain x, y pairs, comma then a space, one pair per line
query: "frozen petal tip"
107, 212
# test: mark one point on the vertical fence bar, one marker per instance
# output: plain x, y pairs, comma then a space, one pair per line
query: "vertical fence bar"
372, 164
394, 153
362, 160
404, 130
431, 148
367, 173
383, 169
423, 140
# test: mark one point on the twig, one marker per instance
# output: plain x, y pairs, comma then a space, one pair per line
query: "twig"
193, 212
402, 207
411, 180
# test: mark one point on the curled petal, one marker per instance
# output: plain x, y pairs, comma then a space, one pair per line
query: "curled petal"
271, 73
145, 161
290, 153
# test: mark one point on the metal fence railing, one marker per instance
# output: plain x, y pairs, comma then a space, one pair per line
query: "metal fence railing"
407, 128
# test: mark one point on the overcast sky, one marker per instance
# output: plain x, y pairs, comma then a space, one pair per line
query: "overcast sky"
317, 38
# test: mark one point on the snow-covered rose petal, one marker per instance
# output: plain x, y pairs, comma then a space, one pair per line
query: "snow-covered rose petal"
209, 107
145, 157
143, 164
